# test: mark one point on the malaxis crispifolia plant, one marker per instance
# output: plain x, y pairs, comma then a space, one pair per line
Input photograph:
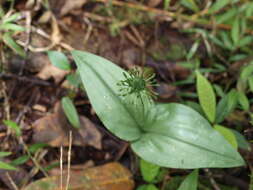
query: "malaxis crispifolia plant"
169, 135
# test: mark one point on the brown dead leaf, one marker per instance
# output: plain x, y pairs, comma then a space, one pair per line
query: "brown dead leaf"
49, 71
112, 176
74, 168
54, 130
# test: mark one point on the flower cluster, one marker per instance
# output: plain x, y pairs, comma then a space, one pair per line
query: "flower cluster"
138, 82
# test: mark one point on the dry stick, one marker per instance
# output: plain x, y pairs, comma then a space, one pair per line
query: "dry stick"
34, 169
212, 181
69, 159
11, 181
169, 14
28, 29
61, 166
28, 19
47, 36
33, 80
89, 30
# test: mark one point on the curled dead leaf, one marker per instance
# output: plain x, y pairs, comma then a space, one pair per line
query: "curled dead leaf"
54, 130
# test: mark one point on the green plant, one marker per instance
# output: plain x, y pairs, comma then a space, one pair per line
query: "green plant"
30, 151
163, 134
7, 28
151, 174
4, 165
227, 104
59, 60
190, 182
70, 111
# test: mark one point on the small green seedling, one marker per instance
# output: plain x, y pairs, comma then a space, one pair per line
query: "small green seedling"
151, 174
7, 28
225, 106
70, 111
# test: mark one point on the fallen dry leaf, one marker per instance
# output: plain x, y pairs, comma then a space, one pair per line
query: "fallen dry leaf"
49, 71
112, 176
54, 130
74, 168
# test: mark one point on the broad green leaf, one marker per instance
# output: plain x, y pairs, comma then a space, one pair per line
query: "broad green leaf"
3, 154
249, 10
218, 90
243, 101
245, 41
149, 171
10, 26
235, 31
227, 40
190, 182
246, 72
216, 40
250, 81
100, 78
178, 137
227, 134
35, 147
226, 105
227, 15
190, 4
70, 111
12, 44
20, 160
218, 5
169, 135
237, 57
74, 79
14, 126
241, 141
166, 4
192, 50
59, 60
11, 18
6, 166
206, 97
147, 187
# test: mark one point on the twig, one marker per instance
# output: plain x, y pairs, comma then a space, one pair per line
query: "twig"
28, 29
25, 79
11, 181
61, 165
212, 181
69, 159
121, 151
89, 30
45, 35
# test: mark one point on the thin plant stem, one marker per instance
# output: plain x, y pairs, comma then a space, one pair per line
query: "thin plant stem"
69, 159
61, 166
